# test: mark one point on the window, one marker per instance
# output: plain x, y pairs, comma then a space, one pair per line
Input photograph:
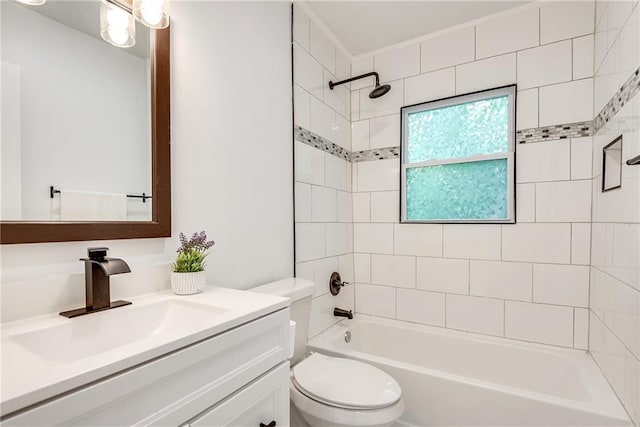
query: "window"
457, 159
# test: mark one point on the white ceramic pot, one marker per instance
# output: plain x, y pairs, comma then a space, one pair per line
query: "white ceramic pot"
187, 283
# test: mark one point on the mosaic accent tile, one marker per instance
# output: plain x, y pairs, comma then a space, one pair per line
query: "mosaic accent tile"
305, 136
549, 133
627, 91
375, 154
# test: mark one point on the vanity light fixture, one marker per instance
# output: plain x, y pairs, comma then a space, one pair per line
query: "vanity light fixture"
152, 13
33, 2
117, 25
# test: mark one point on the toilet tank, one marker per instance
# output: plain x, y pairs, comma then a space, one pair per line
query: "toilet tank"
300, 292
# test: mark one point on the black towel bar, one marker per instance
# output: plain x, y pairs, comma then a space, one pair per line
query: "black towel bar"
53, 191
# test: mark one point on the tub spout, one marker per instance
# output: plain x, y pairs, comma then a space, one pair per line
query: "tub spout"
341, 312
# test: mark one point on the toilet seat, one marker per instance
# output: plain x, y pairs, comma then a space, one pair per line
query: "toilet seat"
345, 383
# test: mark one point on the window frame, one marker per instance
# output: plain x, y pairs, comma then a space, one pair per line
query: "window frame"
510, 91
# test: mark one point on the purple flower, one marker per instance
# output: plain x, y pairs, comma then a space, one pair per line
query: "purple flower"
198, 242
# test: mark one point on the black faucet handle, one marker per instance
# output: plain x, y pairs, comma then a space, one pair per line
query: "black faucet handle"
97, 254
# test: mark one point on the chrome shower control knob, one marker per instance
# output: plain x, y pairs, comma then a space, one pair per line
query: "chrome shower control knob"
335, 283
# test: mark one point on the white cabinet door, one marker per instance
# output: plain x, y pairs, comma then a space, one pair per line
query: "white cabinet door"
258, 404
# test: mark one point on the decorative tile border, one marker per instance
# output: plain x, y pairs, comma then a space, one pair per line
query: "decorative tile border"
627, 91
375, 154
549, 133
310, 138
524, 136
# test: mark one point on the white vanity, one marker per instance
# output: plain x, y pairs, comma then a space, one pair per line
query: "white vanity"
211, 359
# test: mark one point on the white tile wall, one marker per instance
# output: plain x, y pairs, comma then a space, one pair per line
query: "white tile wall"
384, 131
540, 323
545, 65
360, 135
525, 202
309, 164
307, 72
486, 74
475, 314
376, 300
398, 63
583, 57
504, 280
568, 201
527, 109
421, 307
385, 206
323, 120
373, 238
561, 284
310, 241
508, 34
303, 202
322, 48
337, 239
543, 161
565, 19
465, 276
335, 98
323, 204
548, 243
362, 66
430, 86
418, 239
474, 241
447, 50
566, 102
362, 267
361, 207
443, 275
301, 27
393, 270
380, 175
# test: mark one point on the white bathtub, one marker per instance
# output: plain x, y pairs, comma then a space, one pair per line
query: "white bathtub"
462, 379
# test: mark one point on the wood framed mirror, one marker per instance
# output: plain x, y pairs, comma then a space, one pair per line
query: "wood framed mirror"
13, 230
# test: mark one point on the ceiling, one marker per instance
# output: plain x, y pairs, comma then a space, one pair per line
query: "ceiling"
365, 26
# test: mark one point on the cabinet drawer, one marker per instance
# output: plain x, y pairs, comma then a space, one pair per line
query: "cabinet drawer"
263, 401
170, 390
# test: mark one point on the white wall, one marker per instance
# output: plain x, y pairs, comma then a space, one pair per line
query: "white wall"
615, 254
231, 166
96, 139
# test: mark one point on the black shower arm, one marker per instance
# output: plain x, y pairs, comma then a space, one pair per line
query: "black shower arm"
332, 84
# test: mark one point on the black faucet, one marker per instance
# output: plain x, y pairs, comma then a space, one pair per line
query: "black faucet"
97, 269
341, 312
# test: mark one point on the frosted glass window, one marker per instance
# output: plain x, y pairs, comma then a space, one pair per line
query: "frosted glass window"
457, 159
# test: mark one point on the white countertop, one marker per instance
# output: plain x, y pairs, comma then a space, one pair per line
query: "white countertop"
28, 378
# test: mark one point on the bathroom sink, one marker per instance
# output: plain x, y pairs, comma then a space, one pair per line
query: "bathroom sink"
48, 355
104, 331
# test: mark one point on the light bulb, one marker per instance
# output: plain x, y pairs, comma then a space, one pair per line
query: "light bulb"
33, 2
118, 35
151, 11
117, 25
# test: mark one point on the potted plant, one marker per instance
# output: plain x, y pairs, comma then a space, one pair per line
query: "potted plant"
188, 276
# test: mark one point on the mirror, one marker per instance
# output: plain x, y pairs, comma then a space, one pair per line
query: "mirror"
612, 165
84, 150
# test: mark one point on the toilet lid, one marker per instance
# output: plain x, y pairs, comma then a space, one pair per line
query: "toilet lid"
345, 382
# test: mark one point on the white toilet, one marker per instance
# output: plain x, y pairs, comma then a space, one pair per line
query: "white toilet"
333, 391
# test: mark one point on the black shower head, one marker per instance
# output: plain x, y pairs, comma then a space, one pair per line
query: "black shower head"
378, 91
